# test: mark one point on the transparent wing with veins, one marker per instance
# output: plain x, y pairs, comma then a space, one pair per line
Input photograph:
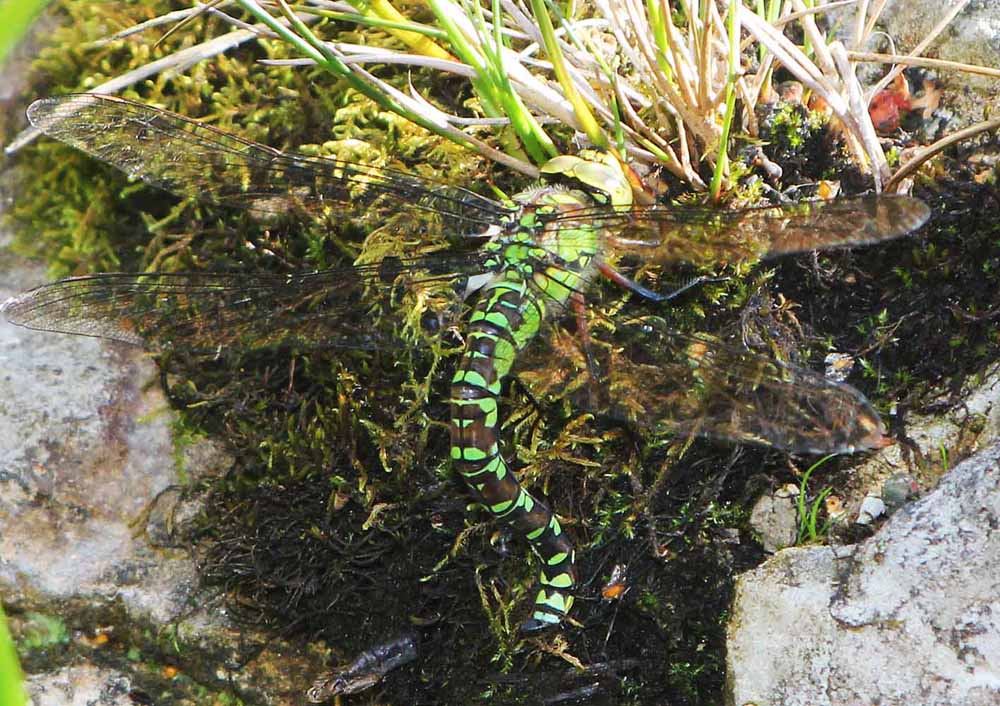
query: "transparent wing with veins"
360, 307
705, 236
198, 161
681, 384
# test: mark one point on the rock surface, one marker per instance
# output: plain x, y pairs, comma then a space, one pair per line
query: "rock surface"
87, 446
910, 616
91, 503
774, 519
972, 37
75, 686
955, 431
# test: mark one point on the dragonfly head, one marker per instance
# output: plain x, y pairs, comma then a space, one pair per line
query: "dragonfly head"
600, 173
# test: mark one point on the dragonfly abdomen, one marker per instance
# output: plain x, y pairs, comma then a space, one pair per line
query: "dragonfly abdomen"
506, 318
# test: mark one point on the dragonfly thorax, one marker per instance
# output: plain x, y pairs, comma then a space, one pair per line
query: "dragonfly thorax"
544, 247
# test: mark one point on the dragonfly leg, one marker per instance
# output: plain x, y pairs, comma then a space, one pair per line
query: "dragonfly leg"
580, 311
621, 280
583, 332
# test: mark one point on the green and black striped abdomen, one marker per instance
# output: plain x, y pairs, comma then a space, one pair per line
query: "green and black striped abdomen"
507, 317
537, 274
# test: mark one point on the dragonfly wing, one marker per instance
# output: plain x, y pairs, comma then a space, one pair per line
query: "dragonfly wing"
198, 161
660, 379
706, 236
649, 375
213, 311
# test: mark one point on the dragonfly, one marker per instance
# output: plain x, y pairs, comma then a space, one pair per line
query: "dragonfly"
513, 266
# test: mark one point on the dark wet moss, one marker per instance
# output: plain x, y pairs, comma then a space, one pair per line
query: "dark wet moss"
920, 310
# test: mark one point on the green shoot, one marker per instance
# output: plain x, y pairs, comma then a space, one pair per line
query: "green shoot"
11, 680
17, 18
808, 512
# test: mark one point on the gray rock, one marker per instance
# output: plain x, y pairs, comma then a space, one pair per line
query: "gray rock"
900, 472
83, 684
91, 522
775, 520
898, 489
872, 508
910, 616
973, 37
86, 445
93, 527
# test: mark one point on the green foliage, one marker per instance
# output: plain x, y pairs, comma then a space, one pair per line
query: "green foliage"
943, 452
808, 509
81, 215
17, 18
499, 609
183, 436
40, 631
11, 679
74, 213
792, 126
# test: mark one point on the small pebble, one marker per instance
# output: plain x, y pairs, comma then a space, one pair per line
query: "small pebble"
898, 489
872, 508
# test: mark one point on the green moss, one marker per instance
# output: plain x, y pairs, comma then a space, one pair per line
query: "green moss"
789, 125
39, 631
183, 436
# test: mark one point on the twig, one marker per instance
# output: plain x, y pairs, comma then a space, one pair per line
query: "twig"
924, 61
917, 50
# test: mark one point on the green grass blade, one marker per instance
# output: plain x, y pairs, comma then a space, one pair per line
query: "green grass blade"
17, 18
809, 515
722, 160
383, 9
588, 122
491, 82
299, 36
370, 20
469, 55
495, 83
11, 679
658, 22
